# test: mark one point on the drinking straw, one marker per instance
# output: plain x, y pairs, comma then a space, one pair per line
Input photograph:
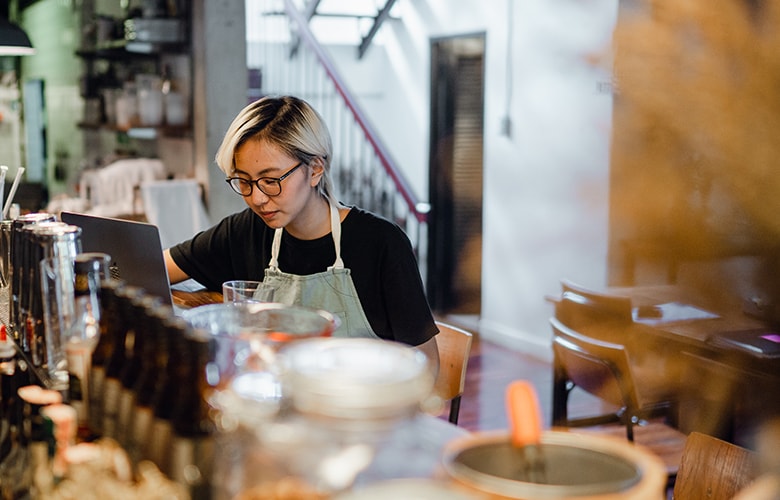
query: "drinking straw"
3, 171
12, 192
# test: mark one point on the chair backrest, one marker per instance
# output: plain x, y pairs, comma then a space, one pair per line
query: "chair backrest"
713, 469
587, 306
598, 367
454, 347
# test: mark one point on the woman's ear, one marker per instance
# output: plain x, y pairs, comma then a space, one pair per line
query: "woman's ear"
317, 171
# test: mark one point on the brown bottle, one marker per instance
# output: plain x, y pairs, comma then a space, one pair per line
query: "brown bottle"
84, 334
192, 447
112, 384
155, 356
109, 322
164, 399
138, 321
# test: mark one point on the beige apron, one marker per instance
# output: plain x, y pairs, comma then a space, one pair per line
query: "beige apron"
331, 290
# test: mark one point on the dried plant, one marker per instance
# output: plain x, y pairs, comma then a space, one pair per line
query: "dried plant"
697, 124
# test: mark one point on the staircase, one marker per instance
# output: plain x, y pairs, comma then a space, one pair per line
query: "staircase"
289, 60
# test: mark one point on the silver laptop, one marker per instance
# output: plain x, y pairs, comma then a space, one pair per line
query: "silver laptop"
135, 249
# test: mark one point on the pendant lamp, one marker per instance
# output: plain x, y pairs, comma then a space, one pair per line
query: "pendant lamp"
13, 40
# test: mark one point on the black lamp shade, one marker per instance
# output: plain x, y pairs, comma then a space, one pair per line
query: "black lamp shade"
13, 40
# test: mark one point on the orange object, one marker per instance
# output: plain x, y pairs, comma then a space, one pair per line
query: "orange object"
525, 419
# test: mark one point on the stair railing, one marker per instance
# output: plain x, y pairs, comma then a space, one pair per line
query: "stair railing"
364, 171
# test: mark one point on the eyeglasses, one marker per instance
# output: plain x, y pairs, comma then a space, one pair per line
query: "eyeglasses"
271, 186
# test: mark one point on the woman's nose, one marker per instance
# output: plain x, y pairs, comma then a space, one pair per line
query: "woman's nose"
258, 197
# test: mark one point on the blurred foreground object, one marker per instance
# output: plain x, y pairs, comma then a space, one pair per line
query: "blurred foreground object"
102, 470
767, 485
694, 146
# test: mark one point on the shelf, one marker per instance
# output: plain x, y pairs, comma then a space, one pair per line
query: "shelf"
123, 50
149, 46
117, 53
141, 132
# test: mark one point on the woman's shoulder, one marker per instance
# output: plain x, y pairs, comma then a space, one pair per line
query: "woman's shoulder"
368, 224
363, 218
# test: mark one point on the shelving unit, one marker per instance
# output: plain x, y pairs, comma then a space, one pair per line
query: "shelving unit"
151, 46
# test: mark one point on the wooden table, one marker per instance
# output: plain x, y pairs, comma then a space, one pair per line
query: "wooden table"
730, 391
698, 324
187, 299
413, 451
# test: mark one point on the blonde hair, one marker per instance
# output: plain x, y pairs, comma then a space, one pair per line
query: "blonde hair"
290, 124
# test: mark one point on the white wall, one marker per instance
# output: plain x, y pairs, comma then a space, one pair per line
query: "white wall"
546, 186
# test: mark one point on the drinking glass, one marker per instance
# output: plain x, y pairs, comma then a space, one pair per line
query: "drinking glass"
247, 291
58, 316
247, 337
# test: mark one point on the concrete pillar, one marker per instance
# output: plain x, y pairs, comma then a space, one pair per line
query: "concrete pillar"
220, 89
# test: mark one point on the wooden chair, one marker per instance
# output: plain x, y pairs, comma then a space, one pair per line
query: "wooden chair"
592, 306
454, 347
608, 318
602, 369
713, 469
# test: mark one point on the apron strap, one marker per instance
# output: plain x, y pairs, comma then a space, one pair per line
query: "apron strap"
335, 229
277, 243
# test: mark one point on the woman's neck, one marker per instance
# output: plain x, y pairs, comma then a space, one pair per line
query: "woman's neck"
313, 223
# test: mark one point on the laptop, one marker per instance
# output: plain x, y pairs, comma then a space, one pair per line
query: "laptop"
760, 342
135, 249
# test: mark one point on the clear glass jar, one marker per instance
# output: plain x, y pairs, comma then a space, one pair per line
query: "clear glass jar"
339, 399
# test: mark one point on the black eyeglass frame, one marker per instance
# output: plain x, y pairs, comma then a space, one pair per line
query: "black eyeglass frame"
256, 182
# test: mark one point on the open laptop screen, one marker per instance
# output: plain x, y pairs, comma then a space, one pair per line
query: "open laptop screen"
135, 249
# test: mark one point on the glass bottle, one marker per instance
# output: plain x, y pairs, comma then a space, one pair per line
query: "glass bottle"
134, 363
192, 447
15, 470
155, 357
84, 334
112, 384
39, 433
169, 386
109, 321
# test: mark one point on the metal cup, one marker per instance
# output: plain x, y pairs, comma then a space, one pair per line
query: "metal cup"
15, 272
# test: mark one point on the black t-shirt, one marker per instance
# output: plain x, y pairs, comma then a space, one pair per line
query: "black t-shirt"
377, 253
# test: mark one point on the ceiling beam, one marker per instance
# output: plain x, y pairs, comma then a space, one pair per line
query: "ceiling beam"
378, 20
308, 12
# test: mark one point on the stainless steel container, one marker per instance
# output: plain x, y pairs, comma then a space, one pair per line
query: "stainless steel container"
15, 263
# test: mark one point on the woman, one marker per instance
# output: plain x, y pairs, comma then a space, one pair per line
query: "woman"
296, 236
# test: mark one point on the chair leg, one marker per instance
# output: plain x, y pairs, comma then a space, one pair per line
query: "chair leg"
560, 397
630, 428
454, 409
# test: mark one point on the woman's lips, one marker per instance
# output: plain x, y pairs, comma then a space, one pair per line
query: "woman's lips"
268, 214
